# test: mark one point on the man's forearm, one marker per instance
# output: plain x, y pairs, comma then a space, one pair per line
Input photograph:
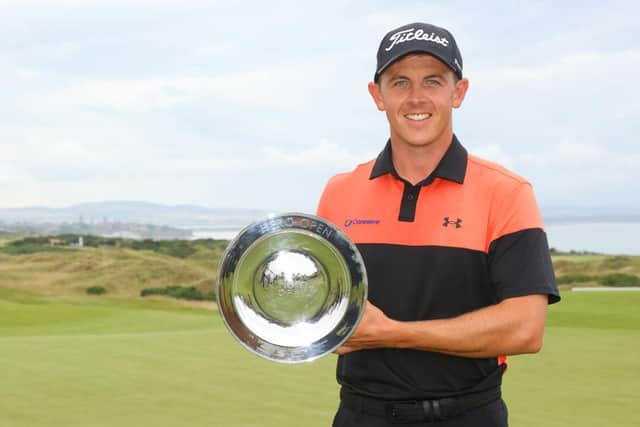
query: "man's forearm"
514, 326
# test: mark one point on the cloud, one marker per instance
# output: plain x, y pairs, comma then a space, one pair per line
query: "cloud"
578, 65
496, 154
10, 175
579, 159
184, 102
321, 156
80, 4
568, 172
284, 87
582, 97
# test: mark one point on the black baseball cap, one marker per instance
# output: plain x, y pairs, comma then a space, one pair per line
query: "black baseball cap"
419, 38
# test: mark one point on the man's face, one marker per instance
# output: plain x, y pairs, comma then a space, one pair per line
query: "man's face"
417, 93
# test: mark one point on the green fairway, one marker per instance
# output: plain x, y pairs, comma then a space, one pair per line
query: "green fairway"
135, 364
109, 362
588, 373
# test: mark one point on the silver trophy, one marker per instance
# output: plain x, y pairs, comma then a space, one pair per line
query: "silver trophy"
291, 288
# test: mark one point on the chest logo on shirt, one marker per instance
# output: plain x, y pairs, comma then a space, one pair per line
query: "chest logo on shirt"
447, 221
355, 221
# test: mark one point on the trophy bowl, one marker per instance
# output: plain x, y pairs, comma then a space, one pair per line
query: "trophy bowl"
291, 288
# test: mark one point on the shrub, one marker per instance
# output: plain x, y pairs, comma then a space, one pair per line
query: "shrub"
210, 296
212, 243
616, 262
175, 248
152, 291
96, 290
12, 248
190, 293
180, 249
619, 279
179, 292
566, 279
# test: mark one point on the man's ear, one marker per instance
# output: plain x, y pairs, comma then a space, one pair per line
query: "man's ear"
462, 86
374, 91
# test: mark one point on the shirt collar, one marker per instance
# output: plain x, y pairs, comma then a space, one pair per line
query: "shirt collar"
452, 166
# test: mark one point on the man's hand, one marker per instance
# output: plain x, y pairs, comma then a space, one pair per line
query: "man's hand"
373, 331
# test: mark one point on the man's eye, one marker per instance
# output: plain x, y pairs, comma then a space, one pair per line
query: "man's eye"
432, 82
400, 83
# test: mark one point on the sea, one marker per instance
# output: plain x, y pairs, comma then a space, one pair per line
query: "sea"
614, 238
611, 238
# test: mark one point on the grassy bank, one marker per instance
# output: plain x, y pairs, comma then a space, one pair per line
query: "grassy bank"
123, 270
596, 270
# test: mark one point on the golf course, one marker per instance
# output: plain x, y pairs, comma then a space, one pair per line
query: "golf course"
68, 358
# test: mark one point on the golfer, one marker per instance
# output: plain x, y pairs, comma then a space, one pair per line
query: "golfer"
457, 259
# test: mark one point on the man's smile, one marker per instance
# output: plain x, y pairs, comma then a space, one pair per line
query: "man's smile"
418, 117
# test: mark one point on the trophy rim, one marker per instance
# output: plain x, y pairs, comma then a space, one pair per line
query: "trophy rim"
343, 247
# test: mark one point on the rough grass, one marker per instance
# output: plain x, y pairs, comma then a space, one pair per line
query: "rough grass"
118, 362
122, 272
595, 269
125, 272
596, 264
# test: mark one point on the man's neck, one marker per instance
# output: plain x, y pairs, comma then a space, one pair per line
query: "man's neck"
415, 163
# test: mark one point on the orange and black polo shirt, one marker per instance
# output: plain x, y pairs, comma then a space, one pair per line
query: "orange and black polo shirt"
466, 237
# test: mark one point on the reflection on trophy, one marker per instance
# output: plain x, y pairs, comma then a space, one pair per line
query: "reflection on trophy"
291, 288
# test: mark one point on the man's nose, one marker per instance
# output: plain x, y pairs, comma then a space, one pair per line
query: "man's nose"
418, 93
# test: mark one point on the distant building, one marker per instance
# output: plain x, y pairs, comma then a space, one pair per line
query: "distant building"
78, 244
124, 235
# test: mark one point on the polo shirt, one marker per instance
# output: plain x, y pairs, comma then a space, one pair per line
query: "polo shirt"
467, 236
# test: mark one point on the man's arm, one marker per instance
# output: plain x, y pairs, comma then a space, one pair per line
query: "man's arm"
514, 326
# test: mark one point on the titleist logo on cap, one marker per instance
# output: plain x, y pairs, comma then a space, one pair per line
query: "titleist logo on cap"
410, 34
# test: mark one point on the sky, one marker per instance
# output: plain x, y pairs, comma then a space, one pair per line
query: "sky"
257, 104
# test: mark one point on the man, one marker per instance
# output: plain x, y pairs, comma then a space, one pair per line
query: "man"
457, 260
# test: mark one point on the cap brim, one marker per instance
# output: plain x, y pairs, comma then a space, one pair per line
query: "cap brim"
424, 51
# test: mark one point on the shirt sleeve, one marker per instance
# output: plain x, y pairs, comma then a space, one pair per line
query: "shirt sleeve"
519, 259
330, 195
323, 204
